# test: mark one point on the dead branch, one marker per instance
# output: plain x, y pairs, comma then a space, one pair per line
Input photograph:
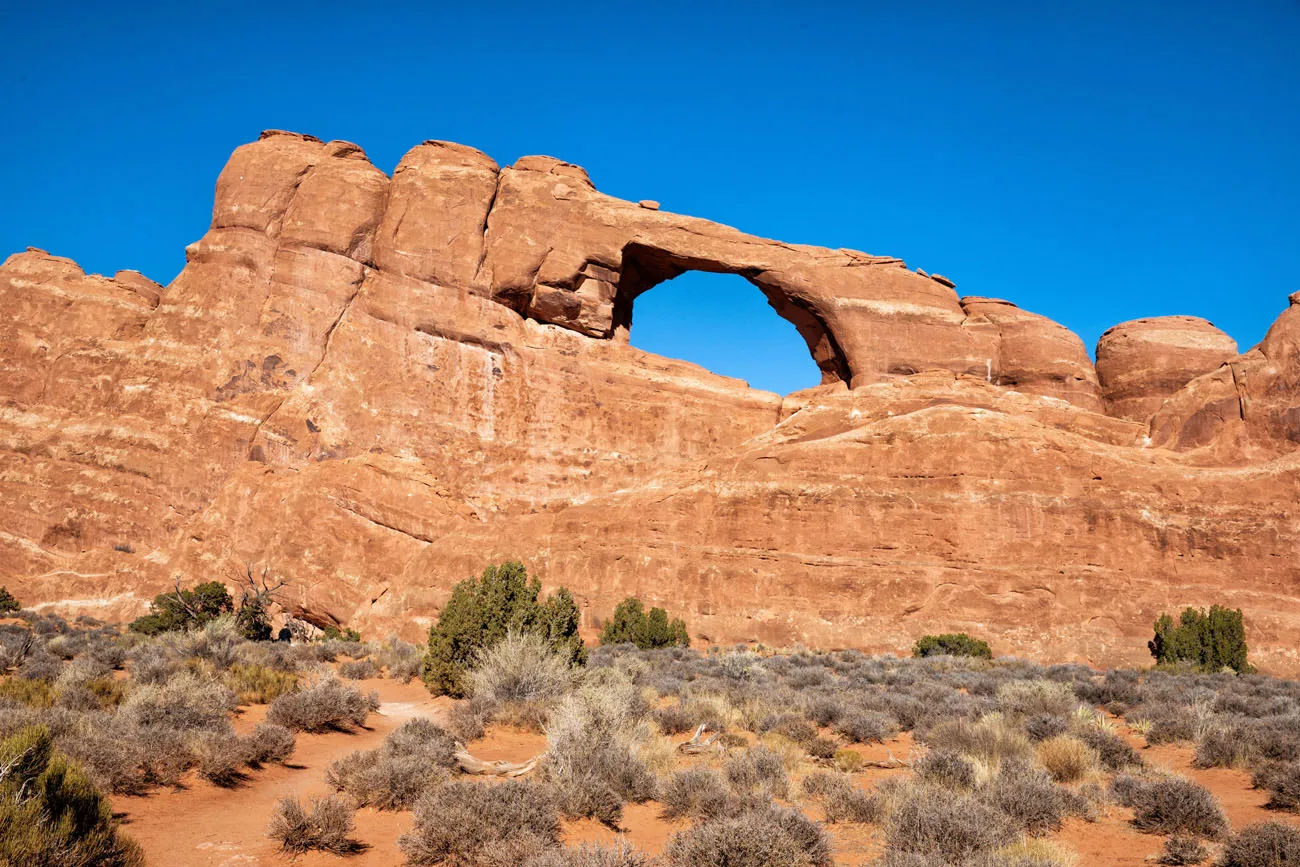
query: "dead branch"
471, 765
695, 745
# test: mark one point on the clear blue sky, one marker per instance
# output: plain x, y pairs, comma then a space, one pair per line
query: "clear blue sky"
1094, 162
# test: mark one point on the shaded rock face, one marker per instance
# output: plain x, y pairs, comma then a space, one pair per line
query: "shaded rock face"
374, 386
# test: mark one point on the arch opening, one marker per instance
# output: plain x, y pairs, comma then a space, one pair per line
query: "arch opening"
686, 319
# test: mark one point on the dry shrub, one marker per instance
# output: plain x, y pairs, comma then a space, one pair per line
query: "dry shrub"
1268, 844
618, 854
1176, 805
412, 758
848, 761
186, 702
469, 824
1282, 780
867, 726
325, 824
842, 801
768, 837
1028, 797
758, 769
221, 757
1113, 752
1066, 758
1181, 851
270, 743
931, 822
694, 793
822, 748
673, 719
946, 768
359, 669
328, 704
521, 668
468, 720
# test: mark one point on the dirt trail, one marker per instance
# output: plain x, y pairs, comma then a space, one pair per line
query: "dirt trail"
203, 825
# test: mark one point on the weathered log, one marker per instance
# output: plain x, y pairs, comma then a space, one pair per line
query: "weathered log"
478, 767
695, 745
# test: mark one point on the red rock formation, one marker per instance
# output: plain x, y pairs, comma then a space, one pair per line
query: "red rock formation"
375, 386
1143, 362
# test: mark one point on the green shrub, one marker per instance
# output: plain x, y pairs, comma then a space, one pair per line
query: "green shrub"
51, 813
951, 644
8, 604
631, 623
1211, 641
33, 693
185, 609
252, 620
479, 614
333, 633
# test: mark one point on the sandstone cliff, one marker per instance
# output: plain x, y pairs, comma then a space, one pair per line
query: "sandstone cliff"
375, 385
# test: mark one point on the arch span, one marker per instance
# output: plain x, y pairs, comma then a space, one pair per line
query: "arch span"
644, 267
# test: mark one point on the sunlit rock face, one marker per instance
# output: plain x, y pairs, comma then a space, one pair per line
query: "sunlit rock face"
374, 386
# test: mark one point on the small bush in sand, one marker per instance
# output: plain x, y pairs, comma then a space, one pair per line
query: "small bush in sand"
1028, 797
931, 822
757, 769
1268, 844
325, 824
1175, 805
767, 837
1282, 781
673, 719
867, 726
469, 823
842, 801
359, 669
186, 702
521, 668
946, 768
412, 758
1181, 851
848, 761
619, 854
1113, 752
1042, 726
221, 758
326, 705
270, 743
468, 720
1066, 758
694, 793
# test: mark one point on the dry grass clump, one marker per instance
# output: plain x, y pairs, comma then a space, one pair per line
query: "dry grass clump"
258, 684
324, 824
1036, 697
412, 758
766, 837
328, 704
1066, 758
460, 823
992, 739
1268, 844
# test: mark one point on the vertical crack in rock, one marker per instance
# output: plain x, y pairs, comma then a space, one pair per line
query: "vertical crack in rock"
483, 232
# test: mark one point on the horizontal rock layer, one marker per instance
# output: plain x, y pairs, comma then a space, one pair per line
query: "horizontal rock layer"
376, 385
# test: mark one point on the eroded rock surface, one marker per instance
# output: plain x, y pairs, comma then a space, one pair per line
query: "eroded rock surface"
376, 385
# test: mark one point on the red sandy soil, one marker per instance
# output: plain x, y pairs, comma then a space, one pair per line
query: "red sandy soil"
203, 825
207, 826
